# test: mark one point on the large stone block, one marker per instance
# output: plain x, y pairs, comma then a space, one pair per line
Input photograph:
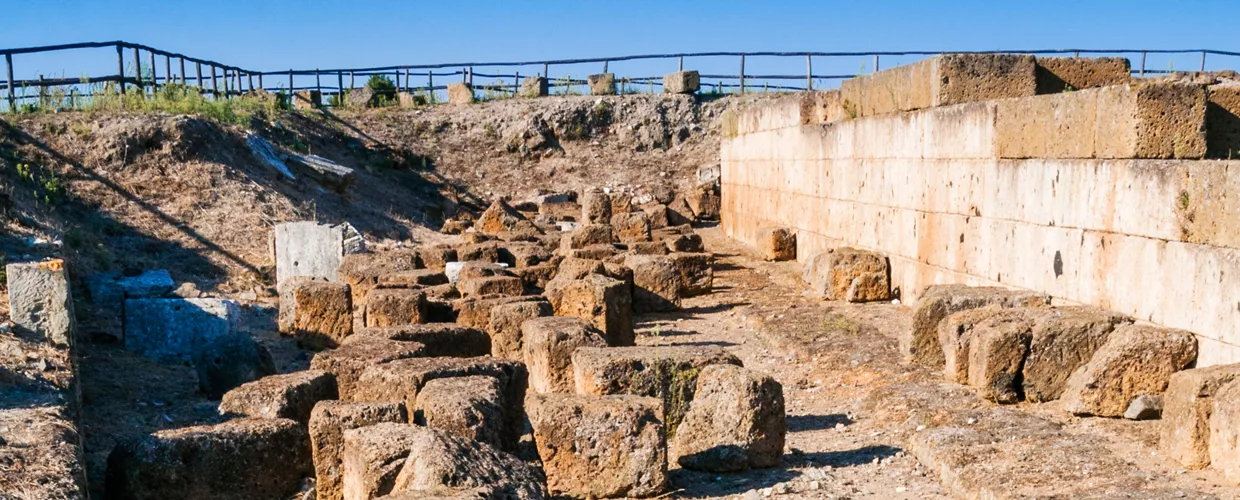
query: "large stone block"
600, 446
318, 313
482, 252
226, 362
956, 337
921, 344
403, 379
548, 348
499, 217
777, 244
682, 82
656, 283
291, 396
436, 257
997, 352
666, 372
509, 286
328, 422
243, 458
1225, 432
471, 407
606, 303
40, 304
436, 339
534, 86
440, 462
174, 329
736, 421
363, 271
586, 236
595, 207
1135, 360
505, 328
1187, 406
418, 278
939, 81
524, 254
602, 84
476, 312
388, 307
372, 457
849, 274
630, 227
307, 99
312, 249
1223, 121
689, 243
1064, 339
348, 362
1063, 74
697, 276
460, 93
704, 201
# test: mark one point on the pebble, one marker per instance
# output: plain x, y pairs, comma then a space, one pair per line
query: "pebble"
901, 489
971, 421
813, 485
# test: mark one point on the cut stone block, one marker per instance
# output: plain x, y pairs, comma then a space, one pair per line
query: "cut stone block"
410, 100
505, 329
439, 460
460, 93
696, 274
413, 279
174, 329
736, 421
1223, 121
956, 336
777, 244
1225, 432
436, 257
509, 286
921, 344
630, 227
482, 252
307, 99
456, 271
849, 274
1064, 339
347, 362
291, 396
595, 252
497, 218
666, 372
476, 312
470, 407
534, 86
1064, 74
656, 283
657, 214
548, 348
312, 249
537, 277
996, 353
436, 339
682, 82
243, 458
363, 271
621, 203
318, 313
575, 268
402, 380
111, 289
1187, 406
226, 362
602, 84
686, 243
647, 248
940, 81
387, 307
40, 304
1149, 120
372, 458
328, 422
595, 208
600, 446
604, 302
524, 254
1135, 360
704, 201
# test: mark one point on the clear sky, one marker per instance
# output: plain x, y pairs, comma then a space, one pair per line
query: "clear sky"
279, 34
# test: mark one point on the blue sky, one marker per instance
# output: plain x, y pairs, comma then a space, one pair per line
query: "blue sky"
273, 35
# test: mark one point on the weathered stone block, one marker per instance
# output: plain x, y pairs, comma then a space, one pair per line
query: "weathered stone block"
682, 82
524, 254
600, 447
1223, 121
602, 84
666, 372
243, 458
630, 227
312, 249
111, 289
595, 207
534, 86
956, 336
658, 215
410, 99
704, 201
436, 257
440, 462
476, 312
318, 313
436, 339
386, 307
777, 244
736, 421
460, 93
1064, 339
646, 248
328, 422
604, 302
940, 81
413, 279
1062, 74
481, 252
291, 396
996, 353
1135, 360
1225, 432
40, 304
537, 277
505, 329
621, 203
372, 458
656, 282
226, 362
174, 329
1187, 406
920, 344
688, 243
509, 286
307, 99
849, 274
363, 271
470, 407
498, 217
548, 348
697, 277
595, 252
348, 361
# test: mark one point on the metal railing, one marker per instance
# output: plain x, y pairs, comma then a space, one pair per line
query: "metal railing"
221, 81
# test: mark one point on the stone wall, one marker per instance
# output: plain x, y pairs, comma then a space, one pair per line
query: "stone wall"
958, 194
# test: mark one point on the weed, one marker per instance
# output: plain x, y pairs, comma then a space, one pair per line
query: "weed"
839, 323
1184, 200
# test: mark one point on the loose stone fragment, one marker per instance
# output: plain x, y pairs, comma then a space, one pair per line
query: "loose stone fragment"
470, 407
1145, 407
1187, 406
291, 395
736, 421
776, 244
439, 460
1135, 360
506, 321
548, 349
328, 422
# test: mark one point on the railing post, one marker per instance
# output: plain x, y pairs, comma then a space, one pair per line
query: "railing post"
137, 71
227, 84
471, 76
8, 65
352, 81
516, 84
318, 86
184, 82
1143, 65
215, 85
250, 80
876, 63
809, 72
340, 86
290, 87
120, 69
167, 69
430, 85
408, 86
42, 93
680, 63
547, 71
198, 74
1203, 61
742, 73
604, 67
260, 82
154, 75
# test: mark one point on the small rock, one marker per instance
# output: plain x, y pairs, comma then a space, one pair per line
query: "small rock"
1145, 407
814, 485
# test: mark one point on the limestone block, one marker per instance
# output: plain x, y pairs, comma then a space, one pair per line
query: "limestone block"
956, 336
1064, 339
658, 215
111, 289
413, 279
40, 304
505, 327
291, 396
621, 203
697, 277
470, 407
439, 460
524, 254
776, 244
940, 81
312, 249
682, 82
849, 274
1223, 121
921, 345
547, 350
410, 99
226, 362
174, 329
704, 201
1062, 74
460, 93
242, 458
1187, 406
689, 243
328, 422
1135, 360
386, 307
996, 353
656, 282
372, 457
604, 302
363, 271
595, 207
318, 313
484, 252
436, 257
498, 217
509, 286
666, 372
534, 86
348, 361
736, 421
307, 99
436, 339
647, 248
602, 84
595, 252
600, 446
630, 227
585, 236
476, 312
1225, 432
